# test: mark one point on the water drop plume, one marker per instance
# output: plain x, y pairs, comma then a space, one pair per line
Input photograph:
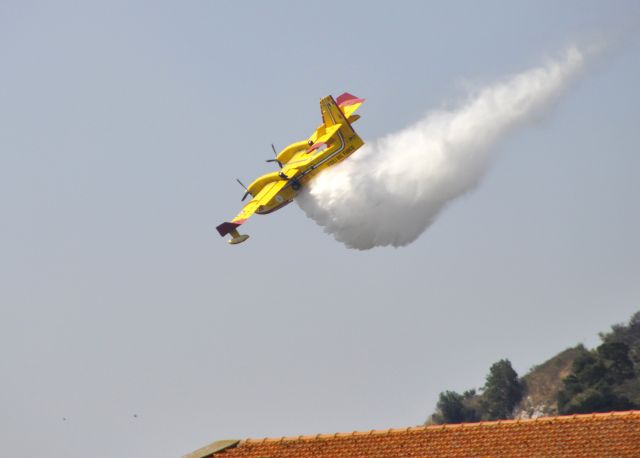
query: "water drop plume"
392, 189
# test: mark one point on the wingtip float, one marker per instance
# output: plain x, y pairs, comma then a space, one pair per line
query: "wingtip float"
332, 142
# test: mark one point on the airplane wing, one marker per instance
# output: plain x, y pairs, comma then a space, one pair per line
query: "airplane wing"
267, 193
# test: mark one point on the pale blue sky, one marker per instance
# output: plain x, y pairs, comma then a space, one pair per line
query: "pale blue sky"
122, 128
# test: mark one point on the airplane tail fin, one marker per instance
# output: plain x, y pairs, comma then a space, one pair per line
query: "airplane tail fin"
334, 120
349, 103
331, 114
340, 111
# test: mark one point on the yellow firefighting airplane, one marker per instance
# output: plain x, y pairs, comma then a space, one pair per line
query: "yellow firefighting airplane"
332, 142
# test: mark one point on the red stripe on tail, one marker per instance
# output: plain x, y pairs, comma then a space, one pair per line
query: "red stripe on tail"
347, 99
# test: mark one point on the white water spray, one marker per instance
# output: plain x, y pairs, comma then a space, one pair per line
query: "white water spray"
391, 190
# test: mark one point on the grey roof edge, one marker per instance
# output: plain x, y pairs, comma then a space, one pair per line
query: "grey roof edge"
213, 448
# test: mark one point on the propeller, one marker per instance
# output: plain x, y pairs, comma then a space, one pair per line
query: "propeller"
276, 155
246, 189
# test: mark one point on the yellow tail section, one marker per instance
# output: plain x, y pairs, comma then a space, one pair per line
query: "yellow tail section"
332, 115
335, 117
340, 111
349, 104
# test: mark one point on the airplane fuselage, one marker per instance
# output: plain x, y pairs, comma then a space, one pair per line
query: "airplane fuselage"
301, 171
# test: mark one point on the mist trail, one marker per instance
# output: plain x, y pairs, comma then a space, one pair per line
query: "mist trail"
392, 189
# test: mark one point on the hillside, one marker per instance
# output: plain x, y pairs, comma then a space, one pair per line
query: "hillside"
543, 382
576, 380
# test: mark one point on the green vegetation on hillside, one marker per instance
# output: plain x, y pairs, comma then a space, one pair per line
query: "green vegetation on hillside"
607, 378
500, 394
576, 380
597, 380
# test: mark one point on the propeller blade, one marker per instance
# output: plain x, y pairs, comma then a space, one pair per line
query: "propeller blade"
245, 188
242, 184
275, 153
275, 160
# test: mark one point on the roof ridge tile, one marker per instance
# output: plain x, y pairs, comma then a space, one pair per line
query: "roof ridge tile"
447, 426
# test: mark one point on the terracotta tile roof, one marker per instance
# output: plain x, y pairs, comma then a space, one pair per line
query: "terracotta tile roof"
615, 434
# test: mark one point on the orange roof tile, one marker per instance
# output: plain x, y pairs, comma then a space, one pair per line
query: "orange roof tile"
615, 434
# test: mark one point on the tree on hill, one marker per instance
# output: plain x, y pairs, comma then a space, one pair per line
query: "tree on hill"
595, 381
500, 394
502, 391
628, 334
453, 407
615, 358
